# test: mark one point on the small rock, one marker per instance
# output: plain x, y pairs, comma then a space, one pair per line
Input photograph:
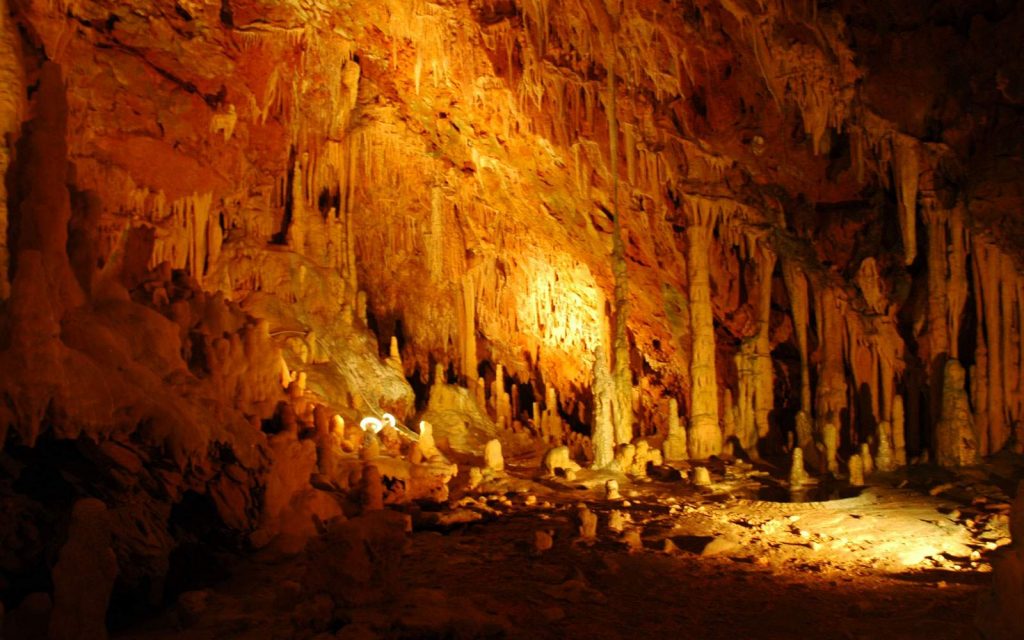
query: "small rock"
476, 476
588, 523
611, 490
722, 545
701, 477
616, 521
542, 541
633, 540
936, 490
191, 606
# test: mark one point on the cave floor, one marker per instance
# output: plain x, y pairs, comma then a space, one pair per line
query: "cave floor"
888, 563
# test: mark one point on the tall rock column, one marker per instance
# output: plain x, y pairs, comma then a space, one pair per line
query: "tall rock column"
796, 285
705, 438
756, 393
12, 92
622, 406
831, 396
603, 431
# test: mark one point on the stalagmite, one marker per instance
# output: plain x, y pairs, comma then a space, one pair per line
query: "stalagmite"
426, 443
83, 577
701, 477
899, 445
501, 405
372, 489
587, 523
797, 473
611, 490
558, 459
856, 466
674, 447
867, 460
603, 431
394, 359
705, 436
493, 459
955, 441
884, 456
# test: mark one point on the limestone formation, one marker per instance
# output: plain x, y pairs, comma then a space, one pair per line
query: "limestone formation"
701, 477
611, 490
84, 575
371, 489
542, 541
633, 540
603, 428
884, 459
558, 460
705, 437
217, 217
587, 523
426, 443
797, 473
856, 468
493, 458
867, 460
674, 448
830, 444
617, 520
955, 441
476, 476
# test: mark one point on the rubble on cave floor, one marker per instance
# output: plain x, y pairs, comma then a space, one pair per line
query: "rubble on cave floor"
666, 556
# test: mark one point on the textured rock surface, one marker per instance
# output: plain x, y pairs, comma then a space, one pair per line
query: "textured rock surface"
215, 217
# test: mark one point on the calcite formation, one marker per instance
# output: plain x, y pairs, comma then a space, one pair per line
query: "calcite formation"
230, 232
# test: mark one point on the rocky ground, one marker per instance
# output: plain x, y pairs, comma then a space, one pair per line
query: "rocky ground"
509, 560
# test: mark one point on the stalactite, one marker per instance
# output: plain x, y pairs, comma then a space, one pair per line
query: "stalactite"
906, 173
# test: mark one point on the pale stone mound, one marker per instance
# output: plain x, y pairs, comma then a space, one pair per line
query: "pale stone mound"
557, 459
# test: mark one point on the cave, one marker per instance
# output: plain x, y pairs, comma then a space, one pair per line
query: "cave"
511, 319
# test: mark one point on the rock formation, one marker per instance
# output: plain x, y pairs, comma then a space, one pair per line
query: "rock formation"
83, 577
231, 231
955, 441
493, 459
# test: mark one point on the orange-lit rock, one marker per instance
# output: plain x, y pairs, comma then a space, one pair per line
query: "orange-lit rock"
590, 237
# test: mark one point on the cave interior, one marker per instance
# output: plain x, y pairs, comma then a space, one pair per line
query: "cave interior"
511, 319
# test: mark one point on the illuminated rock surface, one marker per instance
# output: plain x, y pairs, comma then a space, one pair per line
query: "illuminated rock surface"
279, 278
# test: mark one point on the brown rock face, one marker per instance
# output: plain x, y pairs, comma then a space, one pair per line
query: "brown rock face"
84, 575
